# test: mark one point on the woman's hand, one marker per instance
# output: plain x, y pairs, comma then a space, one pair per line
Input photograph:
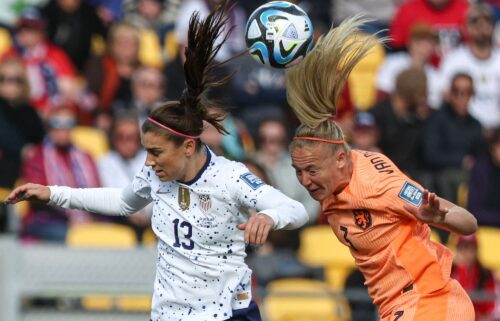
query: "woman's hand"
29, 192
257, 228
444, 214
430, 211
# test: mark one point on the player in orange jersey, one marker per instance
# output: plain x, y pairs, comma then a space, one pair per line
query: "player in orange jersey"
373, 208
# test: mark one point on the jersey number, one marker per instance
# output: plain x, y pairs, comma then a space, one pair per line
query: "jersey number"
344, 229
398, 315
189, 233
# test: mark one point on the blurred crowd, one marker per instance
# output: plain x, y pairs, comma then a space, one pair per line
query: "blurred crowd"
429, 99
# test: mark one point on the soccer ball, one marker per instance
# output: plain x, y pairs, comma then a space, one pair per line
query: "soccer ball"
279, 34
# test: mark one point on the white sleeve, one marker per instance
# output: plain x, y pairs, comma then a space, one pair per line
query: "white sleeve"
251, 192
105, 200
286, 213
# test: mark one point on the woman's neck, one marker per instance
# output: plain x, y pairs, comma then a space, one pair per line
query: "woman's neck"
196, 164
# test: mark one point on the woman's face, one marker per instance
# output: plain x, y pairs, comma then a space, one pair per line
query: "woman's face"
126, 138
125, 48
319, 170
60, 126
11, 82
168, 161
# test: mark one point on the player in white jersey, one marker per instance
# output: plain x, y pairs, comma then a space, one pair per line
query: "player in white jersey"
201, 202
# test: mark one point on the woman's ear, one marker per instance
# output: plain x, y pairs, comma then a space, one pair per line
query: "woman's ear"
341, 158
189, 147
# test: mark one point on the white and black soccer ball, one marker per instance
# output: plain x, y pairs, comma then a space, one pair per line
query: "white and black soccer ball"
279, 34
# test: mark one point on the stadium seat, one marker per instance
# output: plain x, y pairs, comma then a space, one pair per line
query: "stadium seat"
91, 140
149, 238
101, 235
462, 194
489, 245
107, 235
4, 192
362, 78
435, 236
98, 45
5, 41
303, 300
320, 247
150, 53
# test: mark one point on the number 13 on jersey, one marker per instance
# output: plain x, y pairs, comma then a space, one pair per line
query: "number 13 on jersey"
186, 228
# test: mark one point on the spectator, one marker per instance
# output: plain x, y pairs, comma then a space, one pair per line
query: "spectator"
452, 139
447, 16
484, 185
148, 91
57, 162
365, 134
257, 90
68, 18
20, 126
237, 145
126, 158
400, 121
236, 41
474, 278
48, 67
421, 48
110, 75
482, 61
149, 19
272, 153
380, 11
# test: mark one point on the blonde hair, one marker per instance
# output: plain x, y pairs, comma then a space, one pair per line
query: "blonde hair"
314, 85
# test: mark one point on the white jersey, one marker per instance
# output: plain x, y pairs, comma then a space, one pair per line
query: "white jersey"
201, 273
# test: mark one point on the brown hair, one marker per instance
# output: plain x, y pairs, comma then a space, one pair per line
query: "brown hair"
411, 84
187, 115
314, 85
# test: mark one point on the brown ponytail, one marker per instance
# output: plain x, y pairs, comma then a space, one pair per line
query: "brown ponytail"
187, 115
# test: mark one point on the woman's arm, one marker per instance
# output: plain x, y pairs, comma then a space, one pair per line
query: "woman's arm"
106, 201
444, 214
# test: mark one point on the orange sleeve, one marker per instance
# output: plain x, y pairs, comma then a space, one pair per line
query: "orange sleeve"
396, 190
400, 191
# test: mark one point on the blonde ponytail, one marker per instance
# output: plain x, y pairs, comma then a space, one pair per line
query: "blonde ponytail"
314, 85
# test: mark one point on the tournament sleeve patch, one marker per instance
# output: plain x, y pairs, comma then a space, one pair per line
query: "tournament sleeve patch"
411, 193
253, 181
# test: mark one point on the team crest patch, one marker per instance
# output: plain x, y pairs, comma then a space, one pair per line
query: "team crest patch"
183, 197
362, 218
204, 202
411, 193
253, 181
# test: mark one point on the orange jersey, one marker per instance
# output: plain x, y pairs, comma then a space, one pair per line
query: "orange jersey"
391, 247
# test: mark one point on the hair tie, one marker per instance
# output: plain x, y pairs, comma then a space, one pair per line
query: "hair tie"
171, 130
330, 141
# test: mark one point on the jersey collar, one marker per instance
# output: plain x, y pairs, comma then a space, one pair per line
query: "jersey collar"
202, 170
